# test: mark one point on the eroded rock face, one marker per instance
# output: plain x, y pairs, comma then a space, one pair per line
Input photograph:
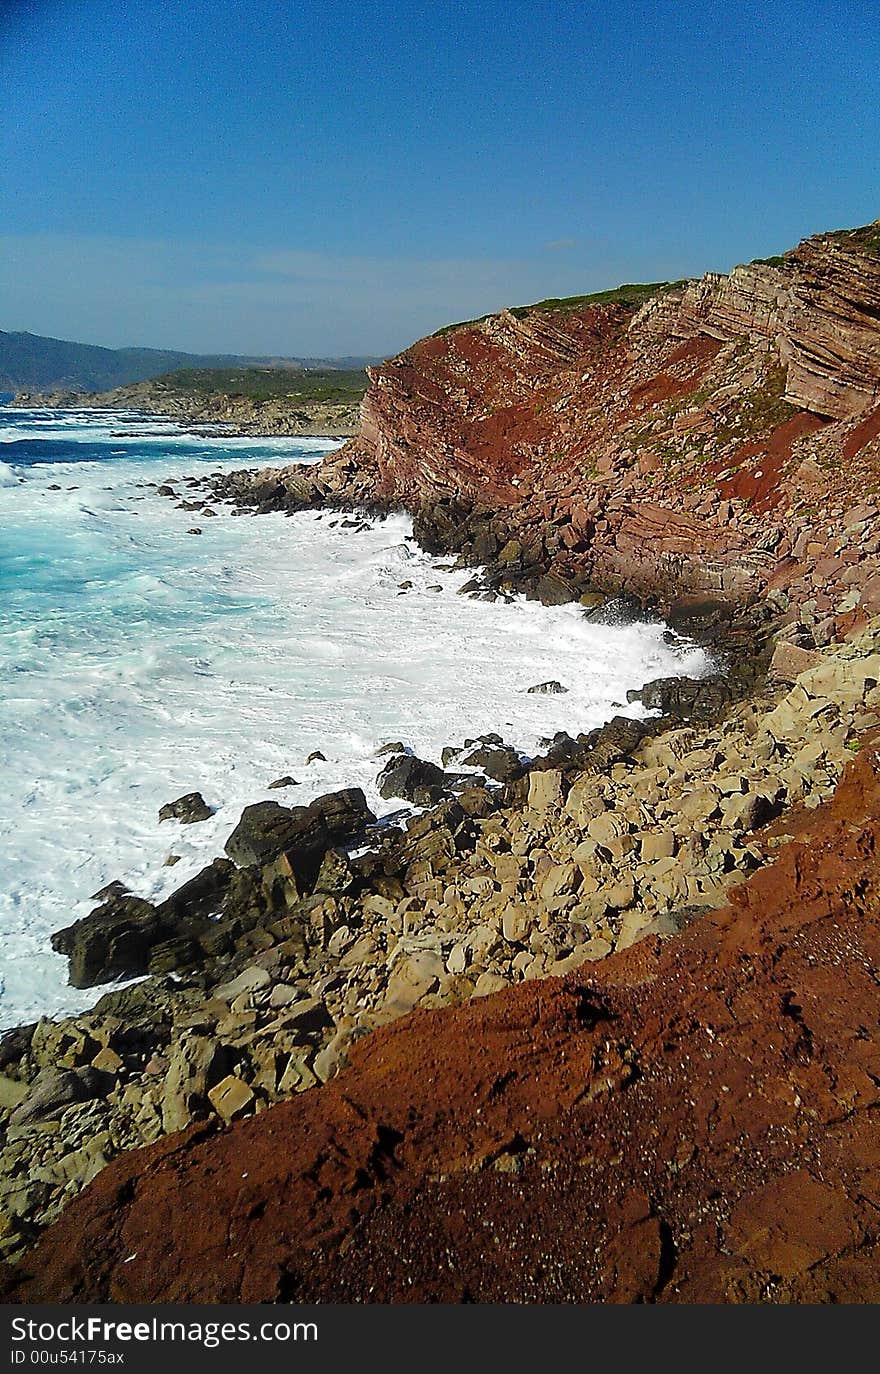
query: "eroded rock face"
624, 457
830, 332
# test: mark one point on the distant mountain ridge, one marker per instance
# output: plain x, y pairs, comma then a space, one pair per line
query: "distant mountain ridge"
34, 362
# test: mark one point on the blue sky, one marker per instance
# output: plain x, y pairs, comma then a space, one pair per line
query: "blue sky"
340, 177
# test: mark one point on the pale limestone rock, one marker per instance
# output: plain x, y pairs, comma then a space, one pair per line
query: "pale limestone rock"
231, 1098
545, 789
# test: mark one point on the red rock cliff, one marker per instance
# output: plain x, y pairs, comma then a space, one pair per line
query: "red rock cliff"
683, 444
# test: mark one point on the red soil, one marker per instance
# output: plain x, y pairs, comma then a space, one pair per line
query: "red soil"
760, 483
862, 435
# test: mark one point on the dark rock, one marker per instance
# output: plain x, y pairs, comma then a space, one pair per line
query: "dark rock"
112, 940
614, 741
114, 889
394, 748
404, 774
308, 1015
500, 764
267, 829
553, 590
686, 698
698, 617
316, 757
15, 1043
344, 813
616, 610
286, 781
552, 688
118, 937
188, 809
201, 896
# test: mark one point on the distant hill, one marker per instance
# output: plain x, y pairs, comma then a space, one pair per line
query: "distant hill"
30, 362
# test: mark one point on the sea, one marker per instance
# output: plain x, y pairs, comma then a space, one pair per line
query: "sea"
140, 661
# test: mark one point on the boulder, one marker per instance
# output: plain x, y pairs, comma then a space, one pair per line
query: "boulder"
553, 590
196, 1063
545, 789
189, 809
790, 660
404, 776
412, 978
252, 979
344, 813
501, 764
113, 940
231, 1098
12, 1092
551, 688
267, 829
55, 1089
686, 698
201, 896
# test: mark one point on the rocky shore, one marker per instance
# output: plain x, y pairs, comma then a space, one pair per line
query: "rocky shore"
236, 414
709, 454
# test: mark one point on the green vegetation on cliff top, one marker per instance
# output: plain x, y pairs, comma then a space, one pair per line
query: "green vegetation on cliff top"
631, 294
267, 384
867, 236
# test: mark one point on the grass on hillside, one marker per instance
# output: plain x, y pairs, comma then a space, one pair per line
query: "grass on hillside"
866, 236
297, 385
632, 293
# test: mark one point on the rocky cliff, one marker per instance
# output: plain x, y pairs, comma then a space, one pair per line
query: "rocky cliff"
633, 986
713, 439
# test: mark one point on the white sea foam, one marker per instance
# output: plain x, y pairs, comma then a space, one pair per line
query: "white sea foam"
139, 662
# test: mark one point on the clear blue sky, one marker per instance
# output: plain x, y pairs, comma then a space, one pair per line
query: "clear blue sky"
343, 176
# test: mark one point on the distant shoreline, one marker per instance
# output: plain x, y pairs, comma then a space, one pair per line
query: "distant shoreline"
260, 416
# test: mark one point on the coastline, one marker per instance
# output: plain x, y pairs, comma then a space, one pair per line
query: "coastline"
218, 1011
675, 471
233, 415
